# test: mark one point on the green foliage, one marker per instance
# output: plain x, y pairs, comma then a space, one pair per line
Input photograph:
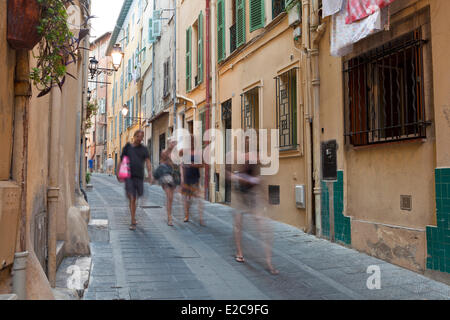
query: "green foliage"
58, 47
88, 177
91, 110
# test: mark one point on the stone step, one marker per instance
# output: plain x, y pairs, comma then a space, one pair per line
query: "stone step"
98, 230
8, 297
59, 253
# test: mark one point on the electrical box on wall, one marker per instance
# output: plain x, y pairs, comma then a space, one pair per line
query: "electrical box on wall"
300, 196
329, 160
9, 221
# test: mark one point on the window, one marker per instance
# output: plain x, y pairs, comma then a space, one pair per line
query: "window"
250, 109
233, 27
199, 78
286, 89
162, 143
166, 78
257, 14
278, 6
188, 59
221, 51
384, 93
128, 34
129, 74
240, 22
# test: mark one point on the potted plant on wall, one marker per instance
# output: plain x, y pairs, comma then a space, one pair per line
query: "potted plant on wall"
58, 47
45, 22
23, 19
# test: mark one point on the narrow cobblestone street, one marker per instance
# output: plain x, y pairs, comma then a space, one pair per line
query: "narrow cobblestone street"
189, 261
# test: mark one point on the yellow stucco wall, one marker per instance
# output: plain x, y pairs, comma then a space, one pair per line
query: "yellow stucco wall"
7, 62
376, 176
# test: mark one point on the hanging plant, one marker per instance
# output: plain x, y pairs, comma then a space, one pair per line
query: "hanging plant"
58, 47
91, 110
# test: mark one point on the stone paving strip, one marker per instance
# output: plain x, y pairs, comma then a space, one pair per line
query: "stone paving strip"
189, 261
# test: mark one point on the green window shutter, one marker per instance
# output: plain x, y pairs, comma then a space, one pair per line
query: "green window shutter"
257, 15
221, 51
294, 108
188, 58
200, 48
240, 22
151, 37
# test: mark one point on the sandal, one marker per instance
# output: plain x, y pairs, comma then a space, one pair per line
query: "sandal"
186, 219
240, 259
274, 271
133, 226
170, 223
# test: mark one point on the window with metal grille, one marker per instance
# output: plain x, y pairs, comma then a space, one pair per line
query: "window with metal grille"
278, 7
249, 109
384, 91
166, 78
274, 195
286, 90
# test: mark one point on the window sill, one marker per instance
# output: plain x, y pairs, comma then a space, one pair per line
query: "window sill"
290, 152
388, 143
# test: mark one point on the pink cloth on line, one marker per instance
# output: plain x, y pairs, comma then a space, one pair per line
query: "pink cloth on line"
360, 9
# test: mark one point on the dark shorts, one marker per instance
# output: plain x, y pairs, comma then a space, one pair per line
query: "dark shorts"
134, 187
190, 190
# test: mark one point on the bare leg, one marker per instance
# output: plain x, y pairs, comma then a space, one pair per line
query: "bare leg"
266, 236
200, 209
187, 204
237, 236
169, 200
133, 209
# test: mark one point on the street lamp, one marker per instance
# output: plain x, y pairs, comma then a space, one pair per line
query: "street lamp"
93, 67
117, 56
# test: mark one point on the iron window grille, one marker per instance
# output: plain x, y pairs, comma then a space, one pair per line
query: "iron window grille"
286, 91
384, 93
249, 109
278, 6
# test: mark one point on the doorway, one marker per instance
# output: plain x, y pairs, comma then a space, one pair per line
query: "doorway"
226, 118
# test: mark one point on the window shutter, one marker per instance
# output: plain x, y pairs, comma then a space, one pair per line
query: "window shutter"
151, 37
221, 52
240, 22
257, 14
200, 48
188, 58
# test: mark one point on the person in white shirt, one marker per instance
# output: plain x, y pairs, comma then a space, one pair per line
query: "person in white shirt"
110, 165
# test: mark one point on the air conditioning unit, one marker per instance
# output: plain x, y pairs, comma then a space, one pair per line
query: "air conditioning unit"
294, 15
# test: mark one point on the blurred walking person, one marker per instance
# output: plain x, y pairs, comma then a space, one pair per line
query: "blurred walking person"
167, 175
249, 202
138, 155
109, 165
190, 184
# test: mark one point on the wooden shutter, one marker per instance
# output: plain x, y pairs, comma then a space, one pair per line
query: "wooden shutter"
221, 51
257, 14
151, 37
188, 58
200, 49
240, 22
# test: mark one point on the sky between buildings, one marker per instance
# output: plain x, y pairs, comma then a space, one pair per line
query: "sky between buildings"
106, 12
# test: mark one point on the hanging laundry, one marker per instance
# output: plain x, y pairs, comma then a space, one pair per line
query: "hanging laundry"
360, 9
343, 35
330, 7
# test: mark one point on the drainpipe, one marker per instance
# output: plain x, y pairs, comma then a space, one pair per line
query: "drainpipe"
214, 101
175, 64
208, 91
53, 184
316, 34
22, 94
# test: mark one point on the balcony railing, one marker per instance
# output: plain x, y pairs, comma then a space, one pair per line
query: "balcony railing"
278, 7
233, 38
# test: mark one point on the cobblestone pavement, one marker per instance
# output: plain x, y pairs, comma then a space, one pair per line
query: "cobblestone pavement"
189, 261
